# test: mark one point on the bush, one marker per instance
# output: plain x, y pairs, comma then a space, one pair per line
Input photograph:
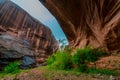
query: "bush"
79, 57
12, 68
82, 67
51, 59
84, 56
93, 55
60, 60
63, 60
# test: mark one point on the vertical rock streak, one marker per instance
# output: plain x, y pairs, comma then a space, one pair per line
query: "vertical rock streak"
18, 23
89, 22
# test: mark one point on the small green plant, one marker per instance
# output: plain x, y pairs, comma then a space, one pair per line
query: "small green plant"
93, 55
82, 68
79, 57
12, 68
51, 59
83, 56
60, 60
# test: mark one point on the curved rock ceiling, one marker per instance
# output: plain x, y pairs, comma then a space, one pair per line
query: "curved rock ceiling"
88, 22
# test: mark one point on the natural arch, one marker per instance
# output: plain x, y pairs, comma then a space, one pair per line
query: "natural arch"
88, 22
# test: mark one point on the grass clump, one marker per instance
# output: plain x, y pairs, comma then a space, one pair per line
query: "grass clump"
79, 58
93, 55
12, 68
83, 56
51, 59
60, 60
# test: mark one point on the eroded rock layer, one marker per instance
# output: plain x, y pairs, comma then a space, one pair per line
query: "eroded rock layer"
21, 34
89, 22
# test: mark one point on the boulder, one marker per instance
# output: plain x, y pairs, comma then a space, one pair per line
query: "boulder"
89, 22
11, 47
27, 62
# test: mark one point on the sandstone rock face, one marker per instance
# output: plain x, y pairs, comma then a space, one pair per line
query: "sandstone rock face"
89, 22
21, 34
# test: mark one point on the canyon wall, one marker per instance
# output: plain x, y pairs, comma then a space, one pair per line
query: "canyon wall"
88, 22
21, 34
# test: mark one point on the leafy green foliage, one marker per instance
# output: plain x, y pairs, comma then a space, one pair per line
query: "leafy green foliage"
84, 56
63, 60
93, 55
51, 59
79, 57
12, 68
60, 60
82, 67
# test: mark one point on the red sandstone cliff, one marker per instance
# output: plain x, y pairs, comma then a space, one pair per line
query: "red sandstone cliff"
21, 34
88, 22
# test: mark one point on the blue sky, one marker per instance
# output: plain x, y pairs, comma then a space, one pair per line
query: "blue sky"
38, 11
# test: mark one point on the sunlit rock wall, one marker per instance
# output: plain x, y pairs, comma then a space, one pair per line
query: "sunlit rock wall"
18, 24
88, 22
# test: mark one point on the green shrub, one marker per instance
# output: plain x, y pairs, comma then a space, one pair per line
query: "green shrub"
93, 55
63, 59
51, 59
82, 67
12, 68
79, 57
83, 56
60, 60
86, 55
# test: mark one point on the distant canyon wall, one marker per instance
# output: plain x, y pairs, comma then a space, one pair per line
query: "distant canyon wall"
88, 22
16, 22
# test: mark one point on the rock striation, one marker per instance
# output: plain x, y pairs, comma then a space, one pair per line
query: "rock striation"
88, 22
21, 34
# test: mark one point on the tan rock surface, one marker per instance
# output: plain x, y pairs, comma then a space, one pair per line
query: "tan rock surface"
89, 22
21, 34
